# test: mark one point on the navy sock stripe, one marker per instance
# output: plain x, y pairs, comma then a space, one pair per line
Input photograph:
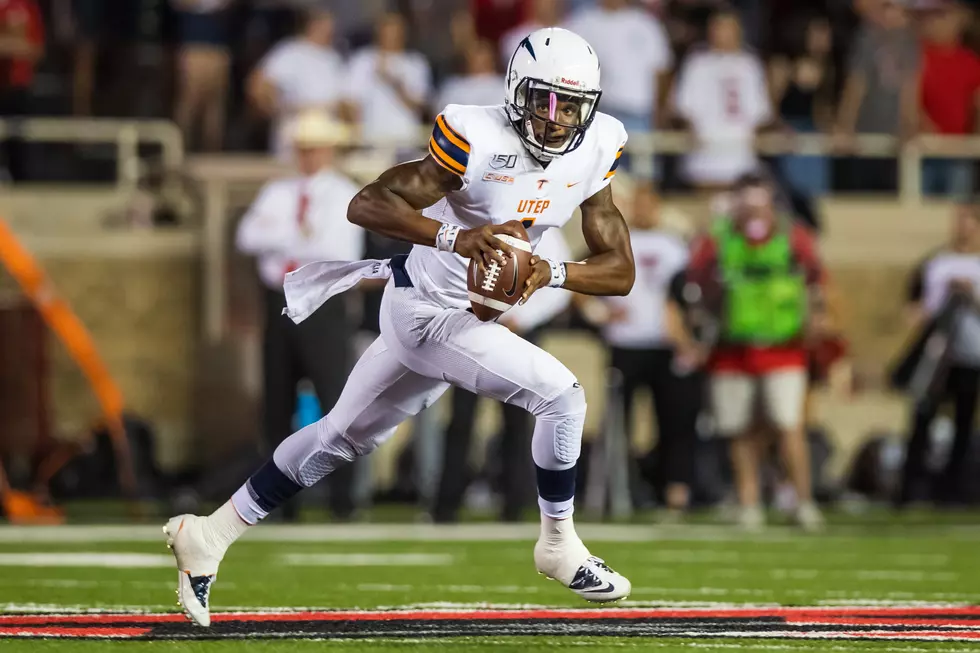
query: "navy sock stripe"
270, 487
556, 485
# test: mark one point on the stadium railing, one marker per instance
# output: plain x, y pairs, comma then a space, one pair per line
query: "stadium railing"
126, 134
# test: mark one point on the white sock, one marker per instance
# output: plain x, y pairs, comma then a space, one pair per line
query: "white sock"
560, 549
225, 526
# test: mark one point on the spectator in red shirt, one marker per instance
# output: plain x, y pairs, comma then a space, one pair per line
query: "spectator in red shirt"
759, 273
494, 18
21, 47
950, 96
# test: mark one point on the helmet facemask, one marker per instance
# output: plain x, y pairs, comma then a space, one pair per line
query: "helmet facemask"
551, 119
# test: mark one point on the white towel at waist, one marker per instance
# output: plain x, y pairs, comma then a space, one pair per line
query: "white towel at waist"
309, 287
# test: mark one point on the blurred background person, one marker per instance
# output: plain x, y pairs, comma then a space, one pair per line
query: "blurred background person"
494, 18
722, 97
271, 21
802, 84
543, 13
294, 221
21, 48
950, 96
637, 329
944, 308
389, 86
510, 452
765, 272
203, 68
636, 60
104, 35
881, 92
441, 30
300, 73
687, 22
479, 84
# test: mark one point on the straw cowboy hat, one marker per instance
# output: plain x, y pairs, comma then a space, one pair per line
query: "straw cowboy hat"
314, 128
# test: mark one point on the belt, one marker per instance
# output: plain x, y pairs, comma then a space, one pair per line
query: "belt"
398, 271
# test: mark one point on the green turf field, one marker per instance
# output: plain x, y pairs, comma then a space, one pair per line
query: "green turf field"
915, 563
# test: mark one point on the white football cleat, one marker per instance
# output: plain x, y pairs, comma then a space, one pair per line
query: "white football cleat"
591, 578
197, 565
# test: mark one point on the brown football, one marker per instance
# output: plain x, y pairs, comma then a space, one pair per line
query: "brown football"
494, 292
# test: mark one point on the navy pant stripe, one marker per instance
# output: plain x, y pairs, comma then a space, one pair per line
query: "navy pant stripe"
270, 487
556, 486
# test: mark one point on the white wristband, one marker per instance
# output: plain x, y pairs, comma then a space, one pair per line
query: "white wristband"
558, 273
446, 238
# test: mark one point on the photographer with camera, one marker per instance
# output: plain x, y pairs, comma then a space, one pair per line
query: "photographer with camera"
944, 362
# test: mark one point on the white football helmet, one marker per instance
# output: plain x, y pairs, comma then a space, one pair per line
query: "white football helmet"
552, 66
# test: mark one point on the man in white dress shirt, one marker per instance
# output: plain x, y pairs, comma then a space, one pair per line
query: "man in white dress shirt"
293, 221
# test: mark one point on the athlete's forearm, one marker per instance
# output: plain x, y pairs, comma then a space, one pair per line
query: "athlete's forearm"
610, 269
608, 273
390, 205
379, 210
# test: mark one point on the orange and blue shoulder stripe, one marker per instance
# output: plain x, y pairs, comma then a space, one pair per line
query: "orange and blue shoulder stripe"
448, 147
612, 170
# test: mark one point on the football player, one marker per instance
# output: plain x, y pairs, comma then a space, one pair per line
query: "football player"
532, 160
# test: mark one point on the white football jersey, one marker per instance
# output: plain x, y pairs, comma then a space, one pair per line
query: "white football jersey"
503, 182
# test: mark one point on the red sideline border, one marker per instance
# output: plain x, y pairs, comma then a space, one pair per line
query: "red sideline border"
957, 623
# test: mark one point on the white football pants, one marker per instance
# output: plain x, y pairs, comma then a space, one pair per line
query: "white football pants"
423, 348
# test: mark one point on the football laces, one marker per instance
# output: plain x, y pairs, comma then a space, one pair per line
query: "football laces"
493, 273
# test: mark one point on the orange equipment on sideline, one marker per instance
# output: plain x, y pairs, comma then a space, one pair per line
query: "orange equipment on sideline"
63, 322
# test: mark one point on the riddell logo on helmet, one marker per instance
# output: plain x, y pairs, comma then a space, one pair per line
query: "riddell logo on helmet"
571, 82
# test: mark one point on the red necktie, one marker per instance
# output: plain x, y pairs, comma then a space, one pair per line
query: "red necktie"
301, 222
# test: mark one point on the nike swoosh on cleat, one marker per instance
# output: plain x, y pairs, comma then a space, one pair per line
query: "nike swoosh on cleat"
201, 586
608, 589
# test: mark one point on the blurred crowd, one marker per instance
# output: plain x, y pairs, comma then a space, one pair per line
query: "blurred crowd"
232, 72
296, 78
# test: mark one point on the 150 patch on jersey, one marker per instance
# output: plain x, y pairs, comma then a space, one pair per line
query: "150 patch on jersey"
503, 161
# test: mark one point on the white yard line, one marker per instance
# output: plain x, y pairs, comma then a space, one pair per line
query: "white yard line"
69, 608
367, 559
74, 583
458, 533
660, 555
823, 647
519, 589
905, 599
447, 589
640, 643
456, 606
106, 560
905, 575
